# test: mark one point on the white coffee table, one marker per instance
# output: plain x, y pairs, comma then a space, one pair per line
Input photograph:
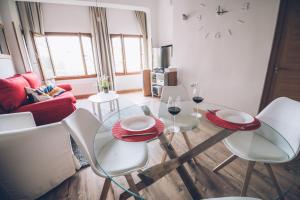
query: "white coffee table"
111, 97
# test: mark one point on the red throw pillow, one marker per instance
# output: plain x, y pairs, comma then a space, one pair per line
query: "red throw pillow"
32, 79
12, 92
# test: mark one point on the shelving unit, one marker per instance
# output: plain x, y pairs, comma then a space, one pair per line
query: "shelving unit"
159, 80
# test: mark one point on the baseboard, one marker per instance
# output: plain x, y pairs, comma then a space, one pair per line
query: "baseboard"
129, 91
83, 96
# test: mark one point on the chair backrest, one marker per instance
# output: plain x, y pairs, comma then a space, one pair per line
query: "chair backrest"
83, 127
283, 114
174, 91
16, 121
34, 160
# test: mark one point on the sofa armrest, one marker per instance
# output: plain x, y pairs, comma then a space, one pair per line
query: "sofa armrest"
14, 121
65, 86
50, 111
35, 160
49, 105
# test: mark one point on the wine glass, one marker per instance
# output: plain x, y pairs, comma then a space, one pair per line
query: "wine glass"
197, 99
174, 108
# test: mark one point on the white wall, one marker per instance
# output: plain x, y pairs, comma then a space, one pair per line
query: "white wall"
165, 22
7, 68
230, 70
66, 18
124, 21
149, 4
8, 12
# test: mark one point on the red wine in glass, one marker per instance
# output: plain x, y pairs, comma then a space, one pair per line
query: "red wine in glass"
173, 110
198, 99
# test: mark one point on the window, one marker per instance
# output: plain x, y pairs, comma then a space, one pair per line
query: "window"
65, 55
127, 53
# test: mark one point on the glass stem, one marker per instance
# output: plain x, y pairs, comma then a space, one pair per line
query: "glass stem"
196, 109
174, 123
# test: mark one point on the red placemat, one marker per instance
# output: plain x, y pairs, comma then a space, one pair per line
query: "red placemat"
232, 126
118, 131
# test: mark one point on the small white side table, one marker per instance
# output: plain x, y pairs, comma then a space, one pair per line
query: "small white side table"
111, 97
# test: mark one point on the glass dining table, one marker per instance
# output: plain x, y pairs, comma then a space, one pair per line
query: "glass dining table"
154, 173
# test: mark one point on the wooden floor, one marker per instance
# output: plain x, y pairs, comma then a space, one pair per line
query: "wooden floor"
85, 185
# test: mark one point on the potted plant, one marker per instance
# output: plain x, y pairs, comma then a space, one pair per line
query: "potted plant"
104, 84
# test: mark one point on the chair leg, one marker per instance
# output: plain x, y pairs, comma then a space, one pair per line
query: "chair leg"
112, 191
247, 177
274, 180
164, 157
105, 189
132, 185
225, 162
188, 143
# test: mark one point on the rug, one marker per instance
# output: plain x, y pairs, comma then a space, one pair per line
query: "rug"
82, 160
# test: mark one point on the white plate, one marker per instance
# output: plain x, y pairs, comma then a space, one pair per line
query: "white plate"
137, 123
233, 116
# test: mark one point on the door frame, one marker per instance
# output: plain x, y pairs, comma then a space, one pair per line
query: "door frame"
268, 87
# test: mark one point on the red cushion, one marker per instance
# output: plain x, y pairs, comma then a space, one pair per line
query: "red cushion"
12, 93
67, 95
32, 79
65, 86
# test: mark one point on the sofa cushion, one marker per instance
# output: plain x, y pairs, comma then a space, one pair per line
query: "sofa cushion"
12, 92
67, 95
52, 110
64, 86
32, 79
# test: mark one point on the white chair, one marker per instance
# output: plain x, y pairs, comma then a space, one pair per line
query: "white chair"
34, 160
16, 121
184, 120
277, 141
103, 151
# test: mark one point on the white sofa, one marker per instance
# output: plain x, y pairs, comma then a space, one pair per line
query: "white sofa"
33, 160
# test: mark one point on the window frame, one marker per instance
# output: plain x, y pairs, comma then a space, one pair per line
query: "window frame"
56, 77
122, 36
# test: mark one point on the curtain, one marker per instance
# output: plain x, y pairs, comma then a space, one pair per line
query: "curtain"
141, 18
31, 19
101, 44
34, 16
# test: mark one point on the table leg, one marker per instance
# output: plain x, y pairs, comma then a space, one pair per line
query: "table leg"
94, 109
99, 112
118, 107
156, 172
183, 173
110, 106
114, 105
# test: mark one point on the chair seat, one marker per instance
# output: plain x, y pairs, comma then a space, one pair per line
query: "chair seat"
251, 146
119, 158
185, 122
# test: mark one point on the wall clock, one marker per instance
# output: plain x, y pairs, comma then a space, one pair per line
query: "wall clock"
218, 12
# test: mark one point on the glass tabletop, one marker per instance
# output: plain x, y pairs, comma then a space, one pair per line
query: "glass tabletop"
263, 144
